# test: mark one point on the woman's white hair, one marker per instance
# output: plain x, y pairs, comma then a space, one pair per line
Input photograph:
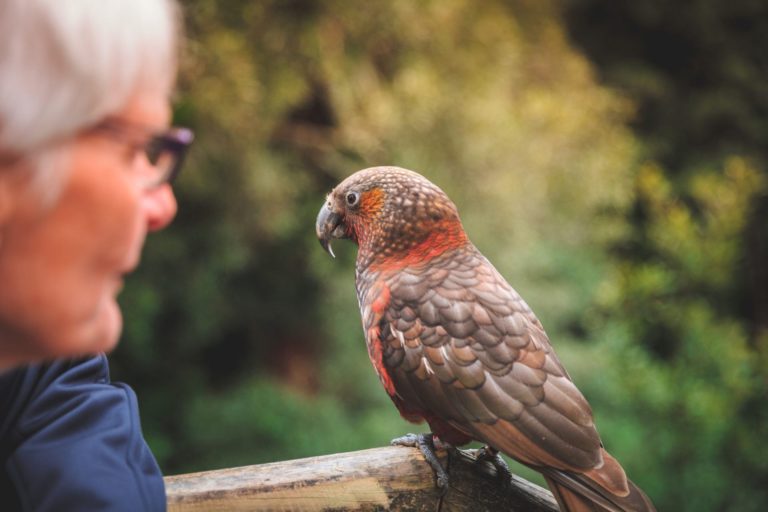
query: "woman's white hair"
65, 66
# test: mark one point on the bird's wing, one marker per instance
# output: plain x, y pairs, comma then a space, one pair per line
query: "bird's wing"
459, 342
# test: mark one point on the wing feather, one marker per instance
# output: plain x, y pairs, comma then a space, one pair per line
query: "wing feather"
463, 346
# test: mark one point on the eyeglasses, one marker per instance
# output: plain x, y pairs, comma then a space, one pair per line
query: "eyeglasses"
165, 150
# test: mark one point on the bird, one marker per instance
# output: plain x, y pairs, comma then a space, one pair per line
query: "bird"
455, 345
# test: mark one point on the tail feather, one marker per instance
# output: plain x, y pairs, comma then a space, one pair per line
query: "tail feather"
569, 501
578, 493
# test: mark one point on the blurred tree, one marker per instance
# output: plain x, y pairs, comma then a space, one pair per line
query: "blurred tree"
697, 72
700, 379
692, 283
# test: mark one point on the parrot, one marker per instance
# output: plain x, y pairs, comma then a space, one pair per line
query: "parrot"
455, 345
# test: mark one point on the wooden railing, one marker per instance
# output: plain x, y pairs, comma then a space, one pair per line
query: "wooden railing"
392, 478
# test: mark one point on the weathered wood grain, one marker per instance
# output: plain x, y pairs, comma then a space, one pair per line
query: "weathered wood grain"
392, 478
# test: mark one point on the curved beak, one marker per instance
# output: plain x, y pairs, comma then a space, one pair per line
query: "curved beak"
329, 226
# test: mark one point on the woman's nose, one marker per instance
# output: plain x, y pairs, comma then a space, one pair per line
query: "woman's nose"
159, 207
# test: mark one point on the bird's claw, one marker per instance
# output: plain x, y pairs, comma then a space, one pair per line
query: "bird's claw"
426, 445
487, 453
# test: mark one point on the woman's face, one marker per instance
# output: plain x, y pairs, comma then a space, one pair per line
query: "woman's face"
62, 265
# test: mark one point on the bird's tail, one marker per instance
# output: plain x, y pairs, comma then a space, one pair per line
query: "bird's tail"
601, 490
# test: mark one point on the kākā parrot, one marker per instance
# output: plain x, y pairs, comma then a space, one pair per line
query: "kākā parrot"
454, 344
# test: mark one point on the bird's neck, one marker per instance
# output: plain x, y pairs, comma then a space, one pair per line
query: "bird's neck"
393, 253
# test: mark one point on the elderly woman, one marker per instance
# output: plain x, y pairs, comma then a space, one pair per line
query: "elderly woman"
86, 162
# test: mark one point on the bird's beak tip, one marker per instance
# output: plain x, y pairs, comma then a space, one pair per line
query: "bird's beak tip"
327, 228
326, 245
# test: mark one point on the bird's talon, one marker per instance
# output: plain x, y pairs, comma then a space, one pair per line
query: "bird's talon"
411, 440
442, 484
426, 445
486, 453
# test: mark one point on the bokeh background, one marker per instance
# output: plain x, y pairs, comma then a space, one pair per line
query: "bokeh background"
610, 157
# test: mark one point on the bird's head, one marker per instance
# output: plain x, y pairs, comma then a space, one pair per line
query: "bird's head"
393, 214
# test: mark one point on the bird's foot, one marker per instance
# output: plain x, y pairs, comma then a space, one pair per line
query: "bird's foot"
427, 444
487, 453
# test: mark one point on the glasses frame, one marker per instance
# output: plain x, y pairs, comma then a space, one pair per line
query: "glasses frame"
175, 140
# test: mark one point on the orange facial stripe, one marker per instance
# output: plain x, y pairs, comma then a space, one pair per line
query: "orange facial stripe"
371, 202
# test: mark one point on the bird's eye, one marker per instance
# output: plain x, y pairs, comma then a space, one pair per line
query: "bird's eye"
352, 198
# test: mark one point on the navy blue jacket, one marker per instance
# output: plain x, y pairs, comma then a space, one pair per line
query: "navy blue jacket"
70, 440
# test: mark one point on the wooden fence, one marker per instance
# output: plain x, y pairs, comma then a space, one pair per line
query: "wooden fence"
379, 479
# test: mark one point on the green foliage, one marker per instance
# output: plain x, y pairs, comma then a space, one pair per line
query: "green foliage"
690, 293
696, 72
265, 422
243, 339
688, 364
